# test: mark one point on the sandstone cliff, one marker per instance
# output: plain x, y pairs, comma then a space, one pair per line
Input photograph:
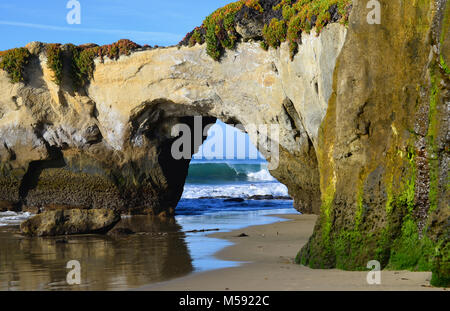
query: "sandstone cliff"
362, 110
108, 145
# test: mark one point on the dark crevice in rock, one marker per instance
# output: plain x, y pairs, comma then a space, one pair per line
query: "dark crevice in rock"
145, 119
294, 118
93, 135
292, 114
274, 68
362, 122
12, 154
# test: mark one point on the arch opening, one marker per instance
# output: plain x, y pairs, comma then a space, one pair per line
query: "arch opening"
228, 173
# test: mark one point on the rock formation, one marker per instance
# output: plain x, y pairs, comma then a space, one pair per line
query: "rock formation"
363, 116
71, 221
109, 144
383, 148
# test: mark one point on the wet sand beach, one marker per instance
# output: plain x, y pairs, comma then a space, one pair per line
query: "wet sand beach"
269, 251
156, 250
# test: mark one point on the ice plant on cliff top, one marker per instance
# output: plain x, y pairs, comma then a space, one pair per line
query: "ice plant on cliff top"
55, 61
82, 60
219, 29
13, 62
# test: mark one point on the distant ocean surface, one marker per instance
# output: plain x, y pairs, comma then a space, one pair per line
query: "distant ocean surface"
210, 186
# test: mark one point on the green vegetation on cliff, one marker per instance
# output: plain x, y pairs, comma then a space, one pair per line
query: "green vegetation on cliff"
14, 62
82, 63
302, 16
220, 27
55, 61
82, 58
196, 37
284, 20
442, 39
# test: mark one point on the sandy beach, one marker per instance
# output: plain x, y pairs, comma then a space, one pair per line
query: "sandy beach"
269, 251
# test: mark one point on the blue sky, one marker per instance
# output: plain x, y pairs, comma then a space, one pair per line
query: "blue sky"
102, 21
225, 142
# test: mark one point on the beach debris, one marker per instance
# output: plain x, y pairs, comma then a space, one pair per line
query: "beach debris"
202, 230
242, 235
237, 200
259, 197
155, 234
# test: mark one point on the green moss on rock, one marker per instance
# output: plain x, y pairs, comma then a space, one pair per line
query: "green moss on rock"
411, 251
400, 245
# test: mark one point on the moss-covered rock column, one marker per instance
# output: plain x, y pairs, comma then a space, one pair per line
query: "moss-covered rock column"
383, 151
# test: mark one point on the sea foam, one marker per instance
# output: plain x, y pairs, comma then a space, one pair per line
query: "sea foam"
13, 218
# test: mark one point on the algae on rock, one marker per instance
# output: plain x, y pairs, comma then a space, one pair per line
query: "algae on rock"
384, 146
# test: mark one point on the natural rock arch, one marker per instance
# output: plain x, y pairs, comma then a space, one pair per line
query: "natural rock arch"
363, 113
115, 134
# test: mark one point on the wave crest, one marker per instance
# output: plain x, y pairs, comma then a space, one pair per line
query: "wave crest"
227, 172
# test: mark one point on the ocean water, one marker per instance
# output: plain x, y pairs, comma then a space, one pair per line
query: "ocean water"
216, 196
13, 218
209, 202
225, 180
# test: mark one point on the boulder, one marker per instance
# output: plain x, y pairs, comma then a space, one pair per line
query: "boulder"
74, 221
252, 27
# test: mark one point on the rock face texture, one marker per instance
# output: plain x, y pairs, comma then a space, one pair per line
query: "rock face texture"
363, 115
383, 148
72, 221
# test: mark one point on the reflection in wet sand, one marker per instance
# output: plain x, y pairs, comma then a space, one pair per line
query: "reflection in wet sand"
157, 252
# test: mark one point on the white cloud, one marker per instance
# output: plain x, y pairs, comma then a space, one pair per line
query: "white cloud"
131, 34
